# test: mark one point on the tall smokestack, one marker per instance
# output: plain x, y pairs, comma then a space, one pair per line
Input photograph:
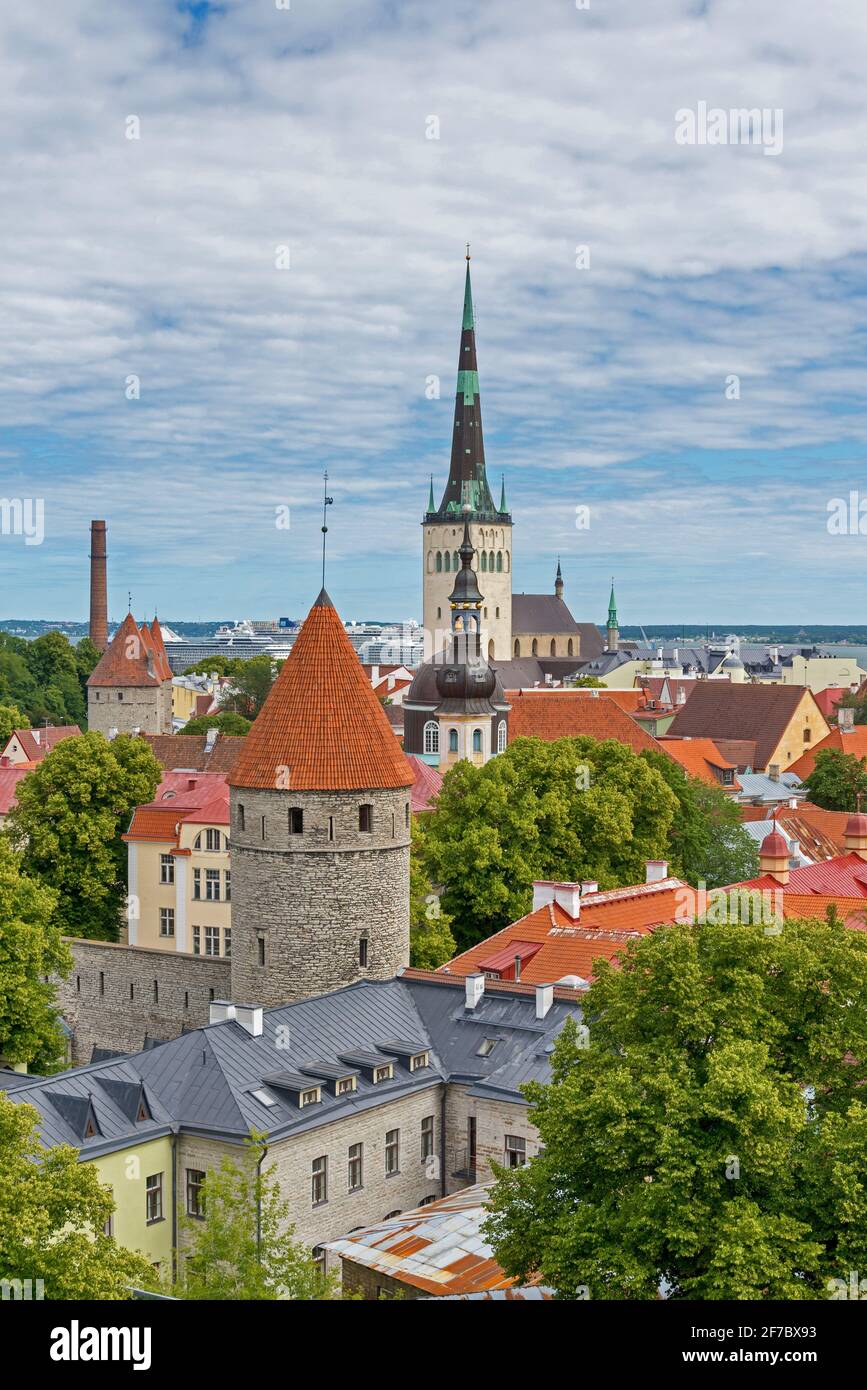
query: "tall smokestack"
98, 592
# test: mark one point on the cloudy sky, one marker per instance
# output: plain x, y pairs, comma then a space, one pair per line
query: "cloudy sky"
231, 256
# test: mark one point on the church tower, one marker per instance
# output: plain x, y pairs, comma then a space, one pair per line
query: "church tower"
611, 630
320, 829
490, 527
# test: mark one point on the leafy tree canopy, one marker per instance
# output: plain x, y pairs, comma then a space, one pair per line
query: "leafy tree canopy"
70, 814
431, 942
837, 781
11, 718
707, 840
46, 678
250, 686
52, 1214
707, 1132
30, 949
227, 723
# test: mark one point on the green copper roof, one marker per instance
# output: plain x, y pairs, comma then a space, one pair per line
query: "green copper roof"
503, 507
468, 383
431, 505
468, 302
612, 608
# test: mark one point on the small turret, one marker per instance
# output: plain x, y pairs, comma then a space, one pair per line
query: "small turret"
558, 581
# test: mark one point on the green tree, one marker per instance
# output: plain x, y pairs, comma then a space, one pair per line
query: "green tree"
431, 942
243, 1249
11, 718
71, 812
572, 809
837, 780
227, 723
52, 1214
708, 1130
31, 949
587, 683
216, 666
250, 686
707, 840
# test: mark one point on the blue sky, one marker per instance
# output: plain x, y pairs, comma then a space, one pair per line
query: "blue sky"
603, 385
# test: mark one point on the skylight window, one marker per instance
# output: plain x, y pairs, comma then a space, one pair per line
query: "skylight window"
263, 1098
487, 1047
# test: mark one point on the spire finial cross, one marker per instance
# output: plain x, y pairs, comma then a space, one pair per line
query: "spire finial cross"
468, 250
326, 502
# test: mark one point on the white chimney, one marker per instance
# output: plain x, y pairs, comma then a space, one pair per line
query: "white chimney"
655, 870
220, 1011
544, 999
475, 987
793, 803
589, 885
250, 1018
543, 893
681, 696
568, 895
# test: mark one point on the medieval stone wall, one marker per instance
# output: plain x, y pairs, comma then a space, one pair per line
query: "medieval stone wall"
311, 898
118, 996
147, 708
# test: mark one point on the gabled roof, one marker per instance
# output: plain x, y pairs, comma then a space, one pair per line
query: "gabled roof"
553, 714
740, 751
845, 876
196, 752
722, 709
852, 740
205, 802
131, 659
532, 613
9, 779
321, 722
699, 757
37, 743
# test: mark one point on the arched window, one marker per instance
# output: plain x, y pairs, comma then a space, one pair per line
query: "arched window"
477, 740
501, 736
484, 561
498, 612
430, 562
535, 648
553, 647
431, 736
491, 650
453, 740
507, 563
517, 648
457, 561
439, 561
499, 560
569, 648
448, 562
491, 562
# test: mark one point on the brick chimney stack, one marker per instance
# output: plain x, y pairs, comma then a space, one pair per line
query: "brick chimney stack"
98, 592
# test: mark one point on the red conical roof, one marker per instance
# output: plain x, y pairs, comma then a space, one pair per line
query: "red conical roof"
774, 846
321, 720
856, 826
125, 660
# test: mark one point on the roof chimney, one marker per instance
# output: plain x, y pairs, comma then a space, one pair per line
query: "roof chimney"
220, 1011
589, 885
250, 1018
774, 771
544, 999
98, 631
517, 969
475, 988
566, 895
655, 870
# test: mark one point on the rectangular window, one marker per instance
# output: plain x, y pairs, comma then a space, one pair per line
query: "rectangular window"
212, 885
516, 1151
213, 839
212, 941
261, 950
296, 821
392, 1152
427, 1136
263, 828
362, 952
365, 818
167, 921
331, 827
241, 818
319, 1265
356, 1161
227, 943
197, 941
154, 1198
195, 1193
102, 982
228, 893
319, 1181
345, 1085
419, 1060
310, 1097
167, 868
383, 1073
197, 884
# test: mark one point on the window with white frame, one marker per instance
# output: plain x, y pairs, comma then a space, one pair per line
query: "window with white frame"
516, 1151
212, 885
319, 1181
431, 736
355, 1171
197, 884
212, 941
384, 1073
228, 885
421, 1059
227, 943
196, 1193
154, 1198
501, 736
167, 921
167, 868
392, 1152
197, 941
213, 840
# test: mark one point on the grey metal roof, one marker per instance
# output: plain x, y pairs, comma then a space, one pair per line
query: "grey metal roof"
203, 1081
541, 613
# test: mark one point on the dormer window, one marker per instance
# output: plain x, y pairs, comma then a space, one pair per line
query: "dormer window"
310, 1097
383, 1073
421, 1059
345, 1085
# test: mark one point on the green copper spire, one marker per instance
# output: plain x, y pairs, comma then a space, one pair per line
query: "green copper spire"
503, 507
431, 504
612, 607
468, 297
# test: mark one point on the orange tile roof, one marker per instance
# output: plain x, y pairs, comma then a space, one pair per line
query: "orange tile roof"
854, 741
553, 714
699, 756
36, 743
191, 751
125, 661
322, 721
569, 946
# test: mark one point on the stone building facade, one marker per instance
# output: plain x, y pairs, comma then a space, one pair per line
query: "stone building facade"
130, 688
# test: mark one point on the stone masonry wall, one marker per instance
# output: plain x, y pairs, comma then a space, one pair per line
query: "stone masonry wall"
116, 996
310, 899
141, 708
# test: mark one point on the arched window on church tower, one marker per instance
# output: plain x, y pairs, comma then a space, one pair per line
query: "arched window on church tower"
448, 562
535, 647
491, 562
499, 561
517, 648
432, 736
484, 561
553, 647
439, 561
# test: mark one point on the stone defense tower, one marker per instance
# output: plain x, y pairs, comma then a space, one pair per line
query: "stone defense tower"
320, 829
490, 526
130, 688
98, 589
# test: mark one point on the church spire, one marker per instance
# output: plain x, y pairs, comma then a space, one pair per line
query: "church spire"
558, 580
503, 507
611, 627
467, 482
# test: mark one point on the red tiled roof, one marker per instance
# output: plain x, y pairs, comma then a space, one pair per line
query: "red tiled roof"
739, 751
9, 779
553, 714
721, 709
829, 698
125, 660
844, 876
205, 803
426, 785
853, 740
191, 751
321, 721
569, 946
699, 756
36, 743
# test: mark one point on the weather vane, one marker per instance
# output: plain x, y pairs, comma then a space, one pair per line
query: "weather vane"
326, 502
468, 250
